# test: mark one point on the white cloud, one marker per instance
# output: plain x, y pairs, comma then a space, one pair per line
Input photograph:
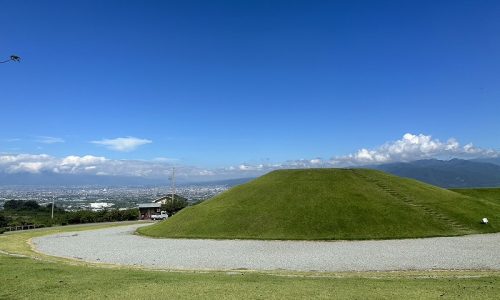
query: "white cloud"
409, 147
30, 167
206, 173
165, 159
14, 158
11, 140
413, 147
49, 140
86, 160
315, 161
31, 163
76, 164
36, 163
123, 144
100, 166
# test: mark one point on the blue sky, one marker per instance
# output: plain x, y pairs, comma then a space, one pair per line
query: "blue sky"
214, 84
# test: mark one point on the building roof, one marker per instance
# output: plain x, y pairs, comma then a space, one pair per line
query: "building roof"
149, 205
169, 196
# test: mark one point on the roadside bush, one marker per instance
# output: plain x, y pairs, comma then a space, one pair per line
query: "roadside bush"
42, 217
114, 215
130, 214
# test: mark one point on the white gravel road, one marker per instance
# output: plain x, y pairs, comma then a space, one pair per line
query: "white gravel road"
119, 245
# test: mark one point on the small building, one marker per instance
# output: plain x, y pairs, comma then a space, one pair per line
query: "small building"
148, 209
168, 197
98, 206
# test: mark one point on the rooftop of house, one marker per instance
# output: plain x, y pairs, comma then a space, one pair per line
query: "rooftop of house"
149, 205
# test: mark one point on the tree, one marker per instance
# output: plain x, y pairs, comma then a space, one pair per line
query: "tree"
13, 58
21, 205
3, 221
172, 206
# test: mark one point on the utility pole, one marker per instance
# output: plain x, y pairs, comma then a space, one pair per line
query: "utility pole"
52, 207
173, 184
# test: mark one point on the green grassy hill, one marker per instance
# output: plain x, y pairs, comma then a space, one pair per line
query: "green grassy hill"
316, 204
491, 194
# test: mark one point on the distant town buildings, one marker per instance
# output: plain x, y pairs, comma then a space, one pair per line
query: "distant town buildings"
97, 206
82, 197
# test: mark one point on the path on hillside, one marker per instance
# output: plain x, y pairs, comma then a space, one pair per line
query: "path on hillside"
119, 245
408, 200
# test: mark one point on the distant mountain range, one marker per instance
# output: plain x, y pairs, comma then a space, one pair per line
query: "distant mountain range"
455, 173
495, 161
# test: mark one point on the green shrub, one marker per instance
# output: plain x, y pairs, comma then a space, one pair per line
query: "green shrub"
4, 221
113, 215
172, 206
61, 217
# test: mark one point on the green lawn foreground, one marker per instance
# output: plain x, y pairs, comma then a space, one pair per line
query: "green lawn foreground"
37, 276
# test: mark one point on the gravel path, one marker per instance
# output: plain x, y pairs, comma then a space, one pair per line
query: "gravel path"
118, 245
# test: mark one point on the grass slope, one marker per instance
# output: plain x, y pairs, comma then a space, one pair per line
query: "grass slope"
490, 194
329, 204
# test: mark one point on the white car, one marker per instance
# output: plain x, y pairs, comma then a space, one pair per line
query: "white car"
162, 216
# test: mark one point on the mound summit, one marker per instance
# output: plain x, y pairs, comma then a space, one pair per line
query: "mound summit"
330, 204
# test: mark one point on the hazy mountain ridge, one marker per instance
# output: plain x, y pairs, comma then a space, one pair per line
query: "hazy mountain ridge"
495, 160
454, 173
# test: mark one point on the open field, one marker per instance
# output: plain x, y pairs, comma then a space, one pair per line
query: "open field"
27, 278
42, 277
331, 204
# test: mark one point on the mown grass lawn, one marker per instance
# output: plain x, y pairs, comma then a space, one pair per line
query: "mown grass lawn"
36, 276
25, 278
